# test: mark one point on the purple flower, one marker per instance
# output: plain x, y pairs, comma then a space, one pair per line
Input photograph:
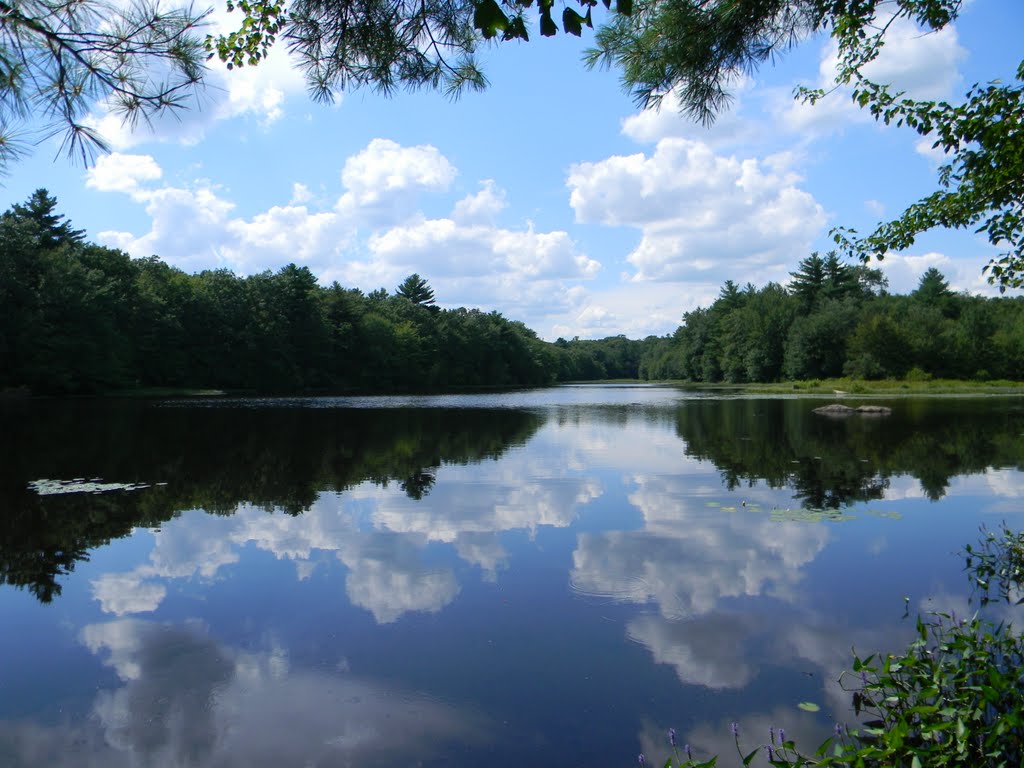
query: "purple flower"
839, 730
735, 728
771, 733
689, 755
672, 737
782, 735
641, 759
771, 753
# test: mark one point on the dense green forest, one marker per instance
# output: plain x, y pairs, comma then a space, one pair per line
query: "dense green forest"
77, 318
835, 320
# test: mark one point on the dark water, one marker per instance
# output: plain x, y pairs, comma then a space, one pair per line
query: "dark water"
550, 578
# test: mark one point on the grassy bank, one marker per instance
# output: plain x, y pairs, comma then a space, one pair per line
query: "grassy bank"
876, 387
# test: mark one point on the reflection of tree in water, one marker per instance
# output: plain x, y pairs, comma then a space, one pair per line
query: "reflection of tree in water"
213, 459
830, 463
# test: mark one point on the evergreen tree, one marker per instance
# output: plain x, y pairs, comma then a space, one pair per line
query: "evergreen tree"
808, 282
54, 229
933, 291
417, 290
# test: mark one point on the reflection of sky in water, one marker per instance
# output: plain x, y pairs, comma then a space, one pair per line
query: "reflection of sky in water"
566, 602
182, 699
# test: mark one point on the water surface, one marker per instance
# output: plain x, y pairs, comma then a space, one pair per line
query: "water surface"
551, 577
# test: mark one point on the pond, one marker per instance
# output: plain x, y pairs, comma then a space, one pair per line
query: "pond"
544, 578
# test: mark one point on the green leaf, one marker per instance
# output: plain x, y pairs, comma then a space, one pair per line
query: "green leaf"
548, 28
489, 19
572, 22
808, 706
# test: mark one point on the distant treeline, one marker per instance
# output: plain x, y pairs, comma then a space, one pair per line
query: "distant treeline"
80, 318
838, 320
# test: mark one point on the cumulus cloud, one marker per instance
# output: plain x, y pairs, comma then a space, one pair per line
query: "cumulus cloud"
385, 174
459, 251
481, 207
668, 120
118, 172
924, 66
697, 209
371, 233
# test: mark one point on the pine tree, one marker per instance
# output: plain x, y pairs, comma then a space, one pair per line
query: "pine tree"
54, 229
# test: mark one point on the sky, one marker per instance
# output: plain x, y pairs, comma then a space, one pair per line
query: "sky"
549, 197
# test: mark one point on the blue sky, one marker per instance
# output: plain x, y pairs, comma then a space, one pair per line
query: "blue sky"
548, 197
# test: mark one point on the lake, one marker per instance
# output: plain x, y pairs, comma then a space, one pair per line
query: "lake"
543, 578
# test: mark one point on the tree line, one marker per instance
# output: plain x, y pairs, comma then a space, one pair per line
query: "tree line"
76, 317
837, 320
79, 318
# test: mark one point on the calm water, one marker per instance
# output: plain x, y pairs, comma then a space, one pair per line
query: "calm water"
548, 578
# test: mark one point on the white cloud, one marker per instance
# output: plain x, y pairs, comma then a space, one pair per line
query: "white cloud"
450, 249
300, 194
925, 66
697, 210
371, 234
122, 173
482, 207
964, 274
385, 172
669, 121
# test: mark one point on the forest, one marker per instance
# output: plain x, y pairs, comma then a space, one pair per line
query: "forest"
80, 318
835, 319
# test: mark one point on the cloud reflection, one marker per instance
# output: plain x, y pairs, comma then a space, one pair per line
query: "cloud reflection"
378, 533
687, 559
187, 701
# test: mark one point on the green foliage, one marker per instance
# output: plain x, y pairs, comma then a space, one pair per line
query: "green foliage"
996, 565
836, 319
981, 186
417, 290
77, 318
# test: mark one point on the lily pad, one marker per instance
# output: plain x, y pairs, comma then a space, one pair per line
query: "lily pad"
46, 487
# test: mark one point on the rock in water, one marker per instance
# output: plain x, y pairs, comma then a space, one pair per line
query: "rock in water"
837, 409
